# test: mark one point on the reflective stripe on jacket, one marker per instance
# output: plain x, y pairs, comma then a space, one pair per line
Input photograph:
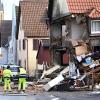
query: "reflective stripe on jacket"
22, 73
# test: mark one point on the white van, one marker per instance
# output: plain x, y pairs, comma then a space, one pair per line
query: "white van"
13, 68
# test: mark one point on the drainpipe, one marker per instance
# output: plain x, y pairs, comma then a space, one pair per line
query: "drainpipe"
27, 56
36, 70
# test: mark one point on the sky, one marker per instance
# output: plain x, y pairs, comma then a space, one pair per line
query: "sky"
8, 8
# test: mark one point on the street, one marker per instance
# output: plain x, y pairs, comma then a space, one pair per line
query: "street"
53, 96
29, 97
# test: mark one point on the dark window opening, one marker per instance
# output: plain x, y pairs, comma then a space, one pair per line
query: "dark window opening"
24, 45
35, 44
19, 62
96, 48
25, 64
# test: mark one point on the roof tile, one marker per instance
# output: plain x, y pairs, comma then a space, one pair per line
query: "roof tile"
82, 6
33, 17
95, 13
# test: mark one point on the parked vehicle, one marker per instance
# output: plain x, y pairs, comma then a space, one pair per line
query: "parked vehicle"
14, 69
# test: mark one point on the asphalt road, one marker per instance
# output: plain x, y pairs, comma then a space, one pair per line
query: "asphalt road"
53, 96
80, 95
27, 97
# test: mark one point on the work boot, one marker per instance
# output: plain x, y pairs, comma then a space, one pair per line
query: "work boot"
24, 91
4, 93
9, 91
19, 91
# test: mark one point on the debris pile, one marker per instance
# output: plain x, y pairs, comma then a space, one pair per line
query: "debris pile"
82, 72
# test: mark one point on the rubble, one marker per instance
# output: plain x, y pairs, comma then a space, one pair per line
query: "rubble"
49, 71
53, 82
82, 72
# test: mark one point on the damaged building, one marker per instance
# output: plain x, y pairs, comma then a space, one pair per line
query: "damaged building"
73, 24
75, 40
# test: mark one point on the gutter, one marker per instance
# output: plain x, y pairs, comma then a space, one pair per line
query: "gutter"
58, 18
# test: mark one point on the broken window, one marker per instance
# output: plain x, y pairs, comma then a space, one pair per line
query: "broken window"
95, 44
96, 48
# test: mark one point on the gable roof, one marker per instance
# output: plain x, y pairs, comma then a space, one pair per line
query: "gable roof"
83, 6
34, 18
95, 13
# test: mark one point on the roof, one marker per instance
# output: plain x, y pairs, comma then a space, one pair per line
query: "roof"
34, 18
6, 28
95, 13
83, 6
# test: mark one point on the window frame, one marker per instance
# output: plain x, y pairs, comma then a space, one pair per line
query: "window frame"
94, 32
20, 45
35, 47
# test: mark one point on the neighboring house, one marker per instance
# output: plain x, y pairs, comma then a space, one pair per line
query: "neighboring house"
12, 49
73, 21
5, 38
32, 28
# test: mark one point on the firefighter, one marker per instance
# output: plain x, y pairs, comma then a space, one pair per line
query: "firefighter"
7, 74
22, 79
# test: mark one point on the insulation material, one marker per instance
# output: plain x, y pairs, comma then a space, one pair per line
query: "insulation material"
53, 82
65, 71
79, 50
49, 71
75, 43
